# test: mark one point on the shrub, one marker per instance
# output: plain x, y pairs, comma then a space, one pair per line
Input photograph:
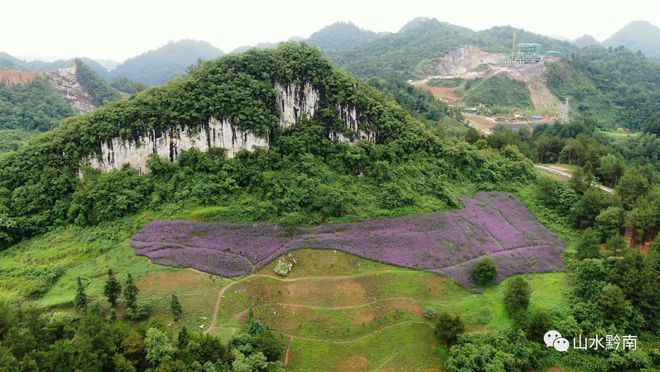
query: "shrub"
449, 328
516, 297
484, 272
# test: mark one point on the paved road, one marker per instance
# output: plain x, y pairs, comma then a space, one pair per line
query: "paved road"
565, 174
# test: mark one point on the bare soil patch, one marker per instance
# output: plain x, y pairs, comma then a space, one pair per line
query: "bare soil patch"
12, 78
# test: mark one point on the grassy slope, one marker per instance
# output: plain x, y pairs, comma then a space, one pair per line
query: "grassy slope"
371, 314
359, 314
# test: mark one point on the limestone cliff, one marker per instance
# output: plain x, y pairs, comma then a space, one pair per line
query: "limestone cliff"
294, 102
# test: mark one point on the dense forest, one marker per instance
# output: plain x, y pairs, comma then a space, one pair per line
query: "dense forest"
35, 105
616, 87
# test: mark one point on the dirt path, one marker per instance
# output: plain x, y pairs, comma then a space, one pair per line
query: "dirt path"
288, 349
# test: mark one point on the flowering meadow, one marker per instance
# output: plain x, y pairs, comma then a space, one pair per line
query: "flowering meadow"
494, 224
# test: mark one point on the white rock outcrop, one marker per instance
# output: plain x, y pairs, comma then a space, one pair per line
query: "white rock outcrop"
355, 122
295, 102
216, 133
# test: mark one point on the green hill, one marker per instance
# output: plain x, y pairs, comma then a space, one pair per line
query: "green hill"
497, 91
585, 41
159, 66
637, 35
617, 87
211, 91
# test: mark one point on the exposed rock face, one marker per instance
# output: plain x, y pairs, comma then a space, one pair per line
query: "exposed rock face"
66, 81
216, 133
355, 122
295, 102
462, 61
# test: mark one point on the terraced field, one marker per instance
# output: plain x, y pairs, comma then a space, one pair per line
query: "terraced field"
337, 311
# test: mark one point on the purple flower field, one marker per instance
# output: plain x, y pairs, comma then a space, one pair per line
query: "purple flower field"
493, 224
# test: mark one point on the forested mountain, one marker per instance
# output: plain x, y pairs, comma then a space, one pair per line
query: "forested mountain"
405, 52
159, 66
341, 35
616, 86
637, 35
44, 188
585, 41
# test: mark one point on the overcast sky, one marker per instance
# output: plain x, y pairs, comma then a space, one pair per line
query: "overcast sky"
119, 29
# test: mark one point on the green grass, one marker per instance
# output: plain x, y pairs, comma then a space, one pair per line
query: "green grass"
497, 91
452, 83
406, 346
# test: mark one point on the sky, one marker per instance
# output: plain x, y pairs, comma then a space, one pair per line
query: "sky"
120, 29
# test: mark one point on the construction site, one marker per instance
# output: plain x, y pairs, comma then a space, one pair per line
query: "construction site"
526, 62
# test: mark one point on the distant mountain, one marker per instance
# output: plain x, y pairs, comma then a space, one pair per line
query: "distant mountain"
405, 51
158, 66
341, 35
408, 51
8, 61
585, 41
637, 35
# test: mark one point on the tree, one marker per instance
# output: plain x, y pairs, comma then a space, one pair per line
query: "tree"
539, 323
183, 338
609, 222
484, 272
448, 328
158, 346
610, 169
175, 307
80, 302
255, 327
130, 292
617, 244
580, 180
587, 246
516, 297
631, 186
613, 304
589, 206
112, 289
